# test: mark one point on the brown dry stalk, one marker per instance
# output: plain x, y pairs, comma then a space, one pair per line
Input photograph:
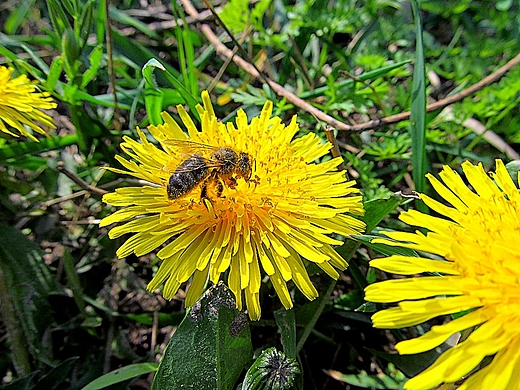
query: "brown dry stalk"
373, 124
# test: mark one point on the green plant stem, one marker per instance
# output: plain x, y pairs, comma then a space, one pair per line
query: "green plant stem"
323, 298
13, 328
76, 114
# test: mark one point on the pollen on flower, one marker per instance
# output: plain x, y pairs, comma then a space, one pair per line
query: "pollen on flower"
274, 211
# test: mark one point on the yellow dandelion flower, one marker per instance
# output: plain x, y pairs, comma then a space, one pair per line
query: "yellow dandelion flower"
273, 217
20, 105
476, 269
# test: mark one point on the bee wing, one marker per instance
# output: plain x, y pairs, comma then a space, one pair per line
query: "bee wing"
188, 147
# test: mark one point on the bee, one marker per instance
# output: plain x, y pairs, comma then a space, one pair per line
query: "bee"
223, 165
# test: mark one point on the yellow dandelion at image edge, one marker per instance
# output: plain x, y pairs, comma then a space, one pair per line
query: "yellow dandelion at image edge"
479, 273
21, 105
283, 213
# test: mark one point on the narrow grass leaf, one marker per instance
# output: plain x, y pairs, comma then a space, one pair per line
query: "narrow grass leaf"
153, 97
376, 210
19, 149
18, 16
385, 250
347, 83
121, 374
418, 109
95, 60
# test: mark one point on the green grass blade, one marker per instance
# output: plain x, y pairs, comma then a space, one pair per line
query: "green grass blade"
19, 149
346, 83
120, 375
17, 17
121, 17
418, 110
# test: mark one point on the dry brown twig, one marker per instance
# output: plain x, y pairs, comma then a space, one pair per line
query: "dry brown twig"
249, 67
83, 184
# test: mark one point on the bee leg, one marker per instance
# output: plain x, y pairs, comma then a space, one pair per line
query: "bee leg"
204, 191
232, 182
220, 188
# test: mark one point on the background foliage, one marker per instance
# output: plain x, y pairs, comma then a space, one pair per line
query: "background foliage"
80, 311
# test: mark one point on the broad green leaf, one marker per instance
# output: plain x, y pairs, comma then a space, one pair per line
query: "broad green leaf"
85, 22
73, 280
307, 316
139, 54
210, 348
8, 53
165, 319
185, 53
273, 371
121, 374
418, 110
513, 168
286, 322
187, 96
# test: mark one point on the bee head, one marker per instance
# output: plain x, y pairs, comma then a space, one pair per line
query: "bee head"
244, 165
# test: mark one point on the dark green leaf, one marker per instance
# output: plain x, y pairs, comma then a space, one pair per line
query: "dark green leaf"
210, 348
286, 322
20, 384
56, 376
411, 365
